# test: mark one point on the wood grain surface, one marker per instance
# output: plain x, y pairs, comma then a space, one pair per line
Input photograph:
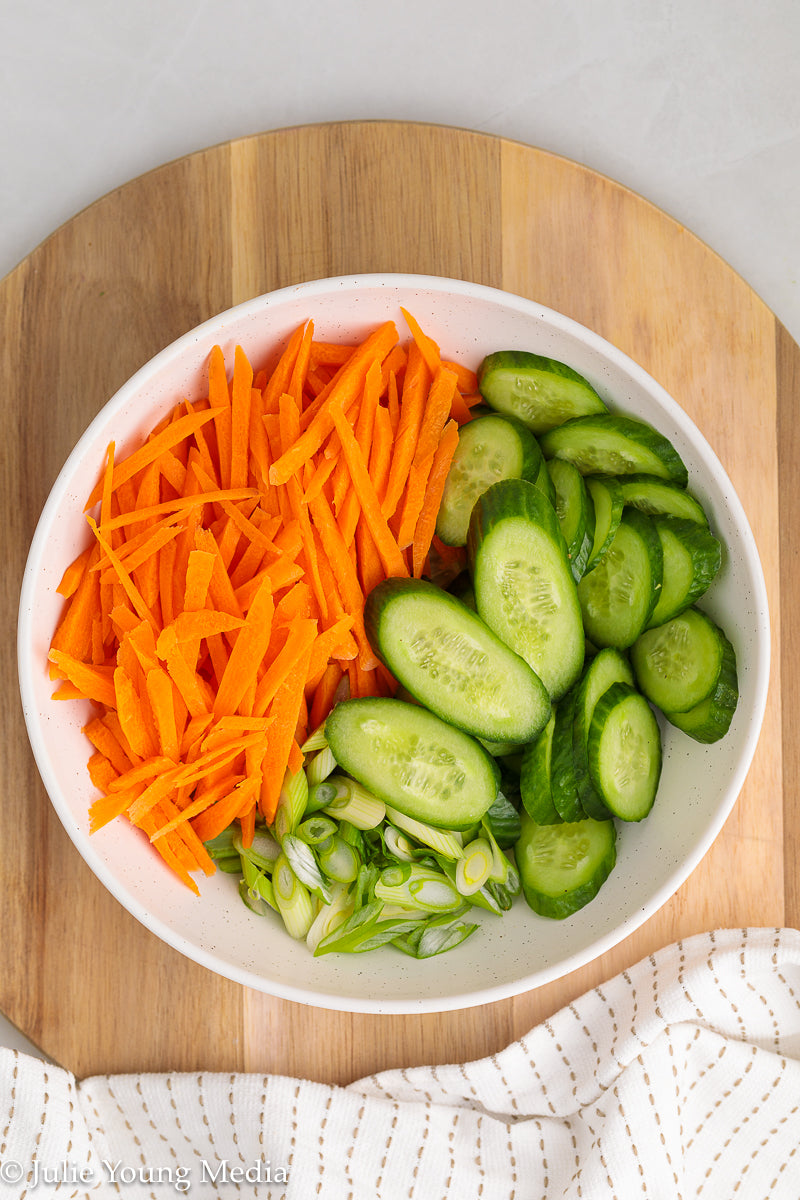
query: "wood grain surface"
80, 976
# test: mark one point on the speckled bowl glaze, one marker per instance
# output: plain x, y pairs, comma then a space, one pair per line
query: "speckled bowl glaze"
507, 955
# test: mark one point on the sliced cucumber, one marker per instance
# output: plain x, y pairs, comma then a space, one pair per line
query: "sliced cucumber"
539, 391
452, 662
607, 667
535, 779
562, 867
710, 720
575, 513
609, 444
489, 448
413, 760
618, 596
625, 752
524, 589
657, 496
608, 502
563, 779
545, 484
692, 559
677, 664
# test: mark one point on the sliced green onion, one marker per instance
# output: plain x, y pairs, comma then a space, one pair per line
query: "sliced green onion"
398, 845
321, 765
222, 846
475, 867
396, 875
301, 859
443, 841
365, 930
338, 859
330, 916
293, 900
316, 829
423, 888
262, 851
253, 901
316, 740
320, 795
291, 804
258, 885
435, 936
355, 804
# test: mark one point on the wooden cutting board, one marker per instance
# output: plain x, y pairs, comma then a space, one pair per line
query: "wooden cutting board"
80, 977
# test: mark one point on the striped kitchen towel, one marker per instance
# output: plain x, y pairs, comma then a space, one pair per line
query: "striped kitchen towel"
678, 1078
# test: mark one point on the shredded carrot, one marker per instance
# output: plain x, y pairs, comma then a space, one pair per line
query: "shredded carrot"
217, 612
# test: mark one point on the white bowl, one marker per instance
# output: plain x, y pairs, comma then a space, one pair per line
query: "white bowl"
508, 955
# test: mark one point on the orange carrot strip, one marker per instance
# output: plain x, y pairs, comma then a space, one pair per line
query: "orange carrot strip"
102, 771
281, 375
298, 647
161, 694
195, 692
74, 630
101, 736
301, 365
248, 651
413, 500
286, 706
343, 391
74, 573
437, 412
94, 683
132, 715
426, 521
214, 820
415, 390
180, 504
131, 591
330, 353
203, 623
391, 557
219, 397
324, 694
428, 347
241, 397
345, 573
150, 450
363, 432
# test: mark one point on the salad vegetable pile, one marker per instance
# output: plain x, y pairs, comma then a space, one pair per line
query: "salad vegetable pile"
387, 640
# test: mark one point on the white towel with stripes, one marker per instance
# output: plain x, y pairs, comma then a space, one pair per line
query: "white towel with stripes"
679, 1078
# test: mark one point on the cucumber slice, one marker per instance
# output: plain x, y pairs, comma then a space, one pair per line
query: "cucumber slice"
562, 867
692, 559
609, 444
450, 661
524, 589
618, 596
677, 664
534, 777
563, 779
625, 752
609, 666
608, 502
657, 496
489, 448
538, 391
710, 720
413, 761
575, 513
